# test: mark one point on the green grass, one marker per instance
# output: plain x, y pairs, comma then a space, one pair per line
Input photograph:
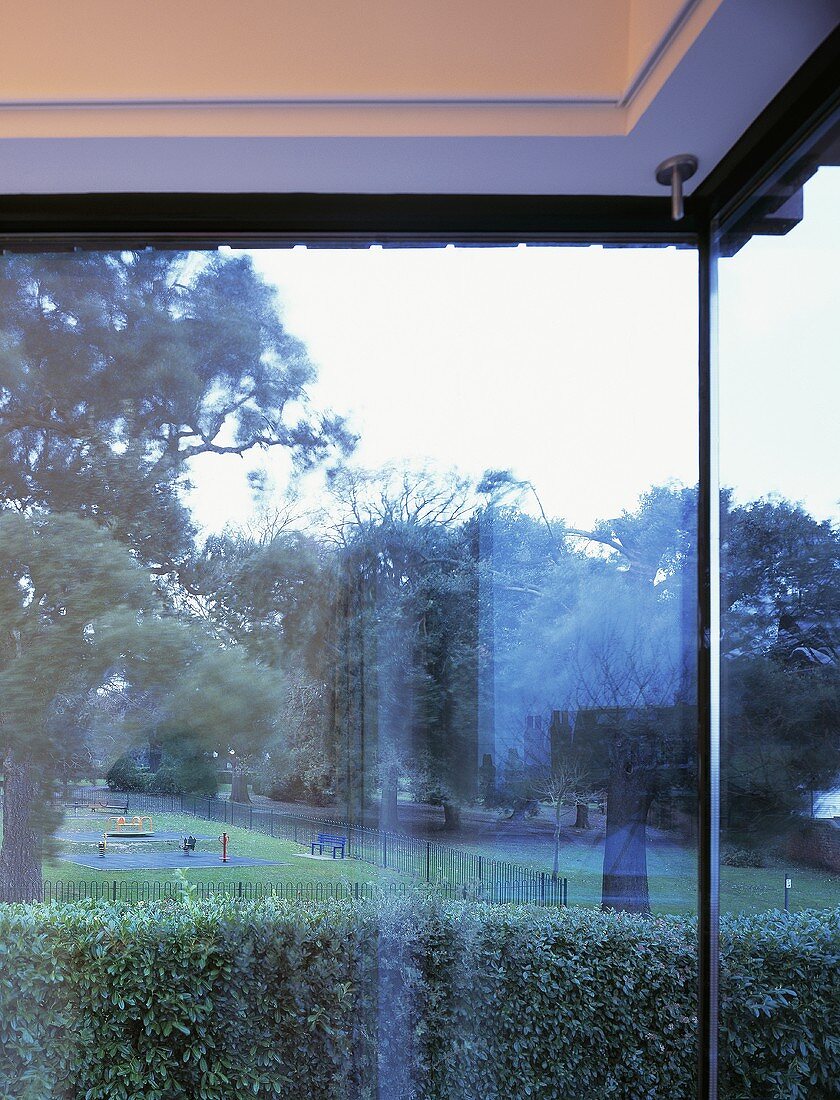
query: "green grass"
672, 875
243, 842
756, 889
671, 867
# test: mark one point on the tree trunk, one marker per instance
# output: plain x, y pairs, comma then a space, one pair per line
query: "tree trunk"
155, 756
555, 864
239, 788
451, 817
629, 795
20, 859
388, 814
582, 816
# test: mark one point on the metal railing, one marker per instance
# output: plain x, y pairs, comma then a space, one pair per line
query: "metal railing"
428, 861
115, 890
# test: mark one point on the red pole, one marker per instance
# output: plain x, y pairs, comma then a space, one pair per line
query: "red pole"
224, 839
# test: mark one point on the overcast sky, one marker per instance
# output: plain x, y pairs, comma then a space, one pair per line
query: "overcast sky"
780, 359
574, 367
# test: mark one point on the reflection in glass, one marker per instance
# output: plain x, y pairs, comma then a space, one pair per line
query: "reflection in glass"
780, 617
781, 595
378, 565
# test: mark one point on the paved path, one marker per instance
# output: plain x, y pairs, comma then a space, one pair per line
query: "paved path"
92, 838
139, 860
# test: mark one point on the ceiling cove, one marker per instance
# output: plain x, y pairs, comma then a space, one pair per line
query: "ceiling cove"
309, 68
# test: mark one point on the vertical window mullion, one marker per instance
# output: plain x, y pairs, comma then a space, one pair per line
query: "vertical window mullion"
708, 673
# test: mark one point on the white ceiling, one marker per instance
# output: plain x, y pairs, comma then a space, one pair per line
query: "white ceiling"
539, 96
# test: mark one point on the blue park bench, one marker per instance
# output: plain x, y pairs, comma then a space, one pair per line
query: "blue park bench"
337, 843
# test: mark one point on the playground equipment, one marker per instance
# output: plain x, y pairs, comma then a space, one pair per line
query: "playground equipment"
188, 845
224, 839
135, 826
103, 844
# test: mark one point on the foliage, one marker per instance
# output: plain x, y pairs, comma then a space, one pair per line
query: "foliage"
781, 740
418, 999
65, 584
119, 368
733, 856
124, 775
189, 775
406, 651
192, 775
293, 778
119, 371
780, 991
776, 560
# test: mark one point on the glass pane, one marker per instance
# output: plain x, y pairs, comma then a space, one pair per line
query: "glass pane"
780, 582
356, 575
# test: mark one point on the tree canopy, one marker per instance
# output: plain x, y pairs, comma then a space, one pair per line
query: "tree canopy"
117, 372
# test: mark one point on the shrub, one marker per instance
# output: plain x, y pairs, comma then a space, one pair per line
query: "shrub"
286, 786
733, 856
417, 999
817, 844
780, 1006
190, 776
124, 775
194, 775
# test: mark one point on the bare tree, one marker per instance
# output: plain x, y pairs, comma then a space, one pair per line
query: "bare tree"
561, 783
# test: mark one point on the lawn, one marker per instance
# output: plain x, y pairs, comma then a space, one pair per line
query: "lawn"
672, 873
671, 866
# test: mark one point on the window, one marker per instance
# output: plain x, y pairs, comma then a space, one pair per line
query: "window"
364, 575
780, 550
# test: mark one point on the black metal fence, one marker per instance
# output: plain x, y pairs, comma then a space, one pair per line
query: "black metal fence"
468, 873
115, 890
96, 797
425, 860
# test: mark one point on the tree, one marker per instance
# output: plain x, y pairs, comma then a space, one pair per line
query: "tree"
781, 670
607, 633
117, 372
559, 782
405, 639
63, 582
623, 663
189, 693
776, 561
781, 742
271, 591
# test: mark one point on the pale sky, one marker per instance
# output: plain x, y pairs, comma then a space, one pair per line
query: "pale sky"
575, 367
556, 362
780, 359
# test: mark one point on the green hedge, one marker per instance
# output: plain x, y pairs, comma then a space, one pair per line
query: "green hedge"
416, 998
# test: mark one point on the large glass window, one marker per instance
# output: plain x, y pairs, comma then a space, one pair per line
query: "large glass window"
356, 575
780, 610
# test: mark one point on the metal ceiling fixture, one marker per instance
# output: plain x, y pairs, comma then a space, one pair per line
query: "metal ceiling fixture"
672, 173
